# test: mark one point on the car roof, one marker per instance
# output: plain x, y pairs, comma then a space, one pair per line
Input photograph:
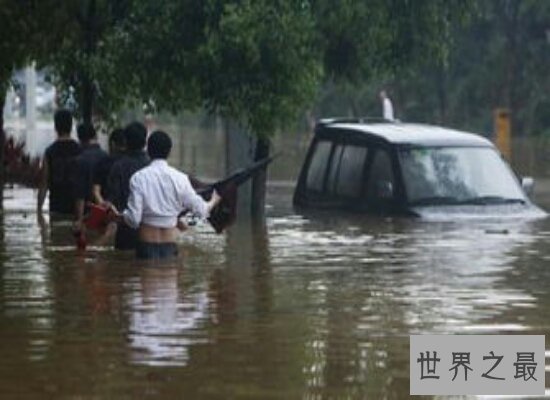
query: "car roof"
410, 133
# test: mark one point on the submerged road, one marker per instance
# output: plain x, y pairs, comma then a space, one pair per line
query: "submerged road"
299, 308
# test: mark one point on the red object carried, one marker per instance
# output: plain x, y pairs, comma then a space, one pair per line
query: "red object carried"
97, 217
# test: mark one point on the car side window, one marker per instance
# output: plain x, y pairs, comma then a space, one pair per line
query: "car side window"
350, 175
381, 180
318, 166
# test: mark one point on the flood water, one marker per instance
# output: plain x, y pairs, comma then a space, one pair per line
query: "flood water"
299, 308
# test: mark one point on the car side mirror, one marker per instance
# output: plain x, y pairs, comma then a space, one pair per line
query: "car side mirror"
384, 190
528, 185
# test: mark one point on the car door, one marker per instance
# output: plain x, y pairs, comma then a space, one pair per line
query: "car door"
382, 190
334, 176
344, 184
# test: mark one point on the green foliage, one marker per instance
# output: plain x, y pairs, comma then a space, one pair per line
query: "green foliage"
156, 53
83, 63
261, 65
366, 40
259, 62
18, 37
253, 61
501, 59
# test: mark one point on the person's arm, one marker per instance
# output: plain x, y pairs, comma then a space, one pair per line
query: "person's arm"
134, 210
196, 204
79, 214
181, 225
43, 185
214, 200
80, 194
100, 178
96, 191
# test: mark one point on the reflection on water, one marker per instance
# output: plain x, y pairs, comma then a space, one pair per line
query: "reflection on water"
162, 318
305, 306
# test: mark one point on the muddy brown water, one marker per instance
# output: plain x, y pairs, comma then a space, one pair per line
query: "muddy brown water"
303, 307
315, 306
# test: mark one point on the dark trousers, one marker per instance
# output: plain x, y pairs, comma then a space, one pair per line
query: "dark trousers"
156, 251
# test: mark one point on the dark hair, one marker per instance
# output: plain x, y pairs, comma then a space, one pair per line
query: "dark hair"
85, 132
159, 145
117, 138
63, 122
136, 136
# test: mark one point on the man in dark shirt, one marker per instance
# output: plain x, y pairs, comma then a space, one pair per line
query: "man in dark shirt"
118, 181
117, 148
56, 166
85, 165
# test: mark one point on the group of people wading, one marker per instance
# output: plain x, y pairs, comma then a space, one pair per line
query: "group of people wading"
144, 195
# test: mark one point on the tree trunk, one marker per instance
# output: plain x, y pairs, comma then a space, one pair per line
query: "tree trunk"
241, 150
238, 154
2, 144
259, 181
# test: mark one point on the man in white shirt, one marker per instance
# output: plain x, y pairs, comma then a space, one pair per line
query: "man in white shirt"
387, 106
158, 194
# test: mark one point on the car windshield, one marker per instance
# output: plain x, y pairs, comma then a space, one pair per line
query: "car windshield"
458, 175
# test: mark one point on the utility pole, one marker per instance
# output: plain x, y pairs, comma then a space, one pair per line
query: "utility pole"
503, 134
30, 102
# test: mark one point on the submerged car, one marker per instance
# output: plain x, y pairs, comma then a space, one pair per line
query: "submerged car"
395, 168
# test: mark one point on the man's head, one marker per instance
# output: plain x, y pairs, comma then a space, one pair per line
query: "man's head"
86, 133
117, 141
63, 121
136, 136
159, 145
383, 94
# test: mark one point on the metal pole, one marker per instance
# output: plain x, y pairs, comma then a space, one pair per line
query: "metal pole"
503, 134
30, 103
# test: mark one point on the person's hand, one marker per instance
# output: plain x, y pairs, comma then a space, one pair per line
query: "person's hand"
113, 213
181, 225
216, 198
106, 204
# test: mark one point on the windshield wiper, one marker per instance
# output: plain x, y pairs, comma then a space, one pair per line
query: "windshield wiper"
484, 200
435, 201
449, 200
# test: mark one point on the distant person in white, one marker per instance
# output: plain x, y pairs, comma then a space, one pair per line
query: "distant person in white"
387, 106
158, 194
